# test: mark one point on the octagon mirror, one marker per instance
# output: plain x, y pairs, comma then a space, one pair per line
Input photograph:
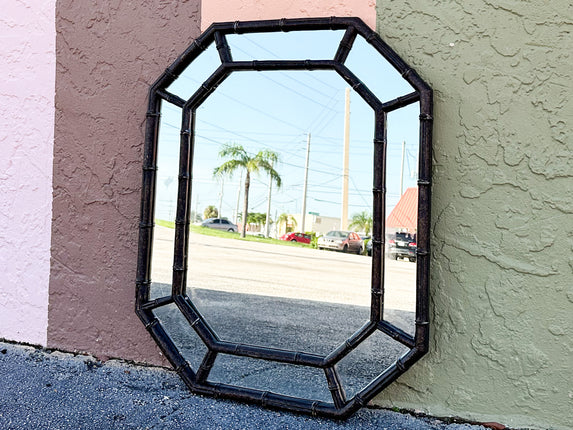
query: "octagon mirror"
284, 235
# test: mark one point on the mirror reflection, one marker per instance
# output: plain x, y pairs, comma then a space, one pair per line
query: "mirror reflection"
165, 202
295, 149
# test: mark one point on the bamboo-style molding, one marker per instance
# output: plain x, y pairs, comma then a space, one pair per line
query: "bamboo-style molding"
198, 380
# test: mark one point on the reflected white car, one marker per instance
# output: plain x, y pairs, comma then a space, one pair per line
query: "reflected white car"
220, 224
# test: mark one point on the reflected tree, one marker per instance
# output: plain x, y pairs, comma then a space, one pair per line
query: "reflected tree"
285, 219
257, 218
238, 158
362, 221
210, 212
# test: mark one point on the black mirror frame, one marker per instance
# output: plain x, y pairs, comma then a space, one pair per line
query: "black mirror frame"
197, 380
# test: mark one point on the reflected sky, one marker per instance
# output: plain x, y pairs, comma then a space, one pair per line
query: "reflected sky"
277, 110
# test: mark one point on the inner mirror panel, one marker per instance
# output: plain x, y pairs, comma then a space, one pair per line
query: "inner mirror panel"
288, 297
309, 277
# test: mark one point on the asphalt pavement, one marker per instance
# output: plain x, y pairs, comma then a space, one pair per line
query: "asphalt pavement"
43, 389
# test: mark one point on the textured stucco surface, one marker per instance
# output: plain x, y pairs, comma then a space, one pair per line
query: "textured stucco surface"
246, 10
27, 64
502, 214
108, 55
502, 265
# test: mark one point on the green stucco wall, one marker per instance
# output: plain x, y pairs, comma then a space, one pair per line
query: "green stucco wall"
502, 208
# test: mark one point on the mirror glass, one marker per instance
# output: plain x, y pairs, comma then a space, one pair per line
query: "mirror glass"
280, 292
401, 218
195, 74
376, 73
302, 280
285, 46
165, 201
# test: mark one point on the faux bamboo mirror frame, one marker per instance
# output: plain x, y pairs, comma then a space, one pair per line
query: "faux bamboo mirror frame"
202, 336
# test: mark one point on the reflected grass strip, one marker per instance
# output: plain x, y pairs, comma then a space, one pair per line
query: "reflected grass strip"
228, 235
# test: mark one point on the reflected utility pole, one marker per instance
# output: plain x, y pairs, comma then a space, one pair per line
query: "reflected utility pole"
238, 198
303, 212
268, 219
345, 156
402, 168
220, 198
197, 207
276, 225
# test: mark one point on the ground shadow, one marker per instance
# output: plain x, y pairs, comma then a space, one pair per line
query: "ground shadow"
302, 325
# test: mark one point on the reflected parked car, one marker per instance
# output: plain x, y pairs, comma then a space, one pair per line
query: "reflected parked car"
345, 241
220, 224
402, 245
369, 245
296, 237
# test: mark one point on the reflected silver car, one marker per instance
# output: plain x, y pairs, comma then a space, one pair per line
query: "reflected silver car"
345, 241
220, 224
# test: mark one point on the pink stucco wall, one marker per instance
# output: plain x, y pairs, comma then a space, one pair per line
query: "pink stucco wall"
245, 10
108, 56
27, 115
27, 65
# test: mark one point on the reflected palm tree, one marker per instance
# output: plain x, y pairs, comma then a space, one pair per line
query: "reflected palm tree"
363, 221
238, 158
285, 219
210, 212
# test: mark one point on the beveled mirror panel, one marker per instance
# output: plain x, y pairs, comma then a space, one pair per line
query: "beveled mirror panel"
284, 232
165, 203
286, 297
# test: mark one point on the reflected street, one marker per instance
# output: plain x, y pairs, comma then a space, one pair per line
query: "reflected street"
283, 297
281, 271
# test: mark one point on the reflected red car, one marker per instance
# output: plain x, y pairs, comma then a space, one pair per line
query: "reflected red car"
296, 237
345, 241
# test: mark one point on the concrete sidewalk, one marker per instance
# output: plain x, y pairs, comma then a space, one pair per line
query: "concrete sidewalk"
51, 390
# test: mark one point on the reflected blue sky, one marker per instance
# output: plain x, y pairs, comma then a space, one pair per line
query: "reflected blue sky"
276, 110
